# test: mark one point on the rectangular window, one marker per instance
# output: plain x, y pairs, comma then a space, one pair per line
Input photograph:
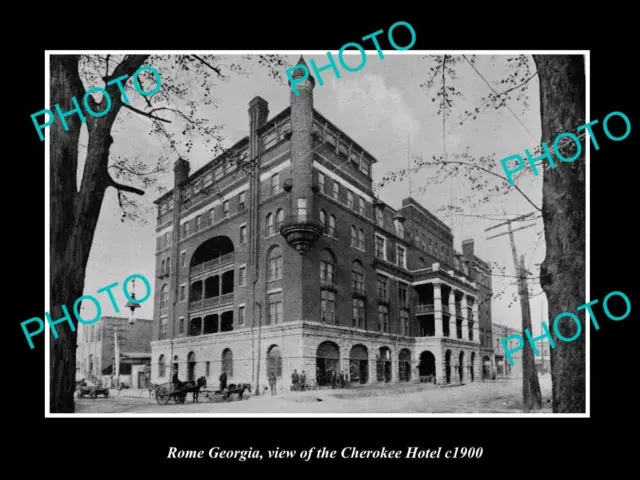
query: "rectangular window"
349, 199
275, 184
183, 293
212, 216
361, 206
379, 217
243, 235
383, 288
240, 316
381, 247
336, 190
383, 318
404, 295
364, 166
358, 314
361, 240
163, 329
183, 259
241, 201
404, 323
198, 223
207, 371
185, 230
321, 181
328, 307
326, 273
167, 240
218, 173
401, 257
242, 276
275, 309
302, 209
225, 209
357, 282
354, 237
181, 326
399, 228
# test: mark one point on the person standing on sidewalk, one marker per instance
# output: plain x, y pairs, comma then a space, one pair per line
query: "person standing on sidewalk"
272, 383
294, 379
303, 379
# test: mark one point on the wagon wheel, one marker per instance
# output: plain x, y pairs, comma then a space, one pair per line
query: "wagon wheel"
162, 396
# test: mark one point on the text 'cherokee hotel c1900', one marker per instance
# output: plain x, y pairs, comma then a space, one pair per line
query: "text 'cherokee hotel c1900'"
285, 227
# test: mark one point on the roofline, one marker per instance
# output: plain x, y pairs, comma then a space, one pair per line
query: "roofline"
373, 158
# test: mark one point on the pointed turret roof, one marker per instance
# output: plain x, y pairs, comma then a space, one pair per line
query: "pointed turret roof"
298, 71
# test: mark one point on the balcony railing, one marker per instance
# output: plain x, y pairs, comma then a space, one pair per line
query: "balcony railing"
424, 309
211, 264
211, 301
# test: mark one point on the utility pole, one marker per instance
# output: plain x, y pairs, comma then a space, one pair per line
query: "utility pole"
532, 398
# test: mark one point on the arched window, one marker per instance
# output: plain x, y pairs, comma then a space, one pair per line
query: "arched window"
274, 362
161, 366
274, 264
279, 219
354, 237
327, 267
323, 220
227, 362
164, 296
270, 227
332, 225
361, 239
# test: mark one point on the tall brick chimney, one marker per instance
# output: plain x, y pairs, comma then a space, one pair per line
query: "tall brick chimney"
467, 247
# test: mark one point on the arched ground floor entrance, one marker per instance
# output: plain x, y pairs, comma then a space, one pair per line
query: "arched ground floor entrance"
327, 362
427, 367
486, 367
359, 364
404, 365
447, 365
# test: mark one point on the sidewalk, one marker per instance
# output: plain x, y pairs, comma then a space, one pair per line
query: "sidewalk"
129, 392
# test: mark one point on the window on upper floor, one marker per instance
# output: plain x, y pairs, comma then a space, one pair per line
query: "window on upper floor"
198, 220
358, 313
243, 235
302, 209
401, 256
183, 259
379, 217
336, 190
332, 226
381, 247
279, 219
212, 216
321, 181
167, 240
185, 230
275, 183
349, 199
361, 239
242, 276
183, 293
354, 237
328, 307
383, 318
225, 209
241, 201
361, 206
270, 225
399, 228
274, 264
383, 288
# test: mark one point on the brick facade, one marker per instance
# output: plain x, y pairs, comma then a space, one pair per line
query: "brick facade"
214, 290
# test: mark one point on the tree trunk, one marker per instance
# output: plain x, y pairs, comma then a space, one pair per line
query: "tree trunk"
562, 276
74, 214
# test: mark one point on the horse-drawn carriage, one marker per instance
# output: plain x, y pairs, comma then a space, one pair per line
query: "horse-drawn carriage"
178, 392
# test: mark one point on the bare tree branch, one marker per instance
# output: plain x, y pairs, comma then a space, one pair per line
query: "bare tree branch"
134, 109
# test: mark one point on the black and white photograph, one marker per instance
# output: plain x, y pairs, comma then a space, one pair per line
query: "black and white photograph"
317, 233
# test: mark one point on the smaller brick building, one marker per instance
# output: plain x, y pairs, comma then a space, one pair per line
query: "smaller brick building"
95, 354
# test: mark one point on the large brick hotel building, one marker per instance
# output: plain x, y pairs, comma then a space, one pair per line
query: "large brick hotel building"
277, 256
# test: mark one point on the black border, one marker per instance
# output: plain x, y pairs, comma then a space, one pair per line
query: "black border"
101, 446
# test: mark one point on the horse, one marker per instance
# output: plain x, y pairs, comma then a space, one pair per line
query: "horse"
238, 389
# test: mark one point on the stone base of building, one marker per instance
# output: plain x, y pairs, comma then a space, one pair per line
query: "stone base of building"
316, 349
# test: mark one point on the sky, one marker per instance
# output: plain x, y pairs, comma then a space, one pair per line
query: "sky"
384, 109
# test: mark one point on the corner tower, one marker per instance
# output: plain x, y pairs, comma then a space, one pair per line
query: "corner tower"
301, 230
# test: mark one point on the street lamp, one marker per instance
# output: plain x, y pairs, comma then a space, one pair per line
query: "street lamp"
132, 305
